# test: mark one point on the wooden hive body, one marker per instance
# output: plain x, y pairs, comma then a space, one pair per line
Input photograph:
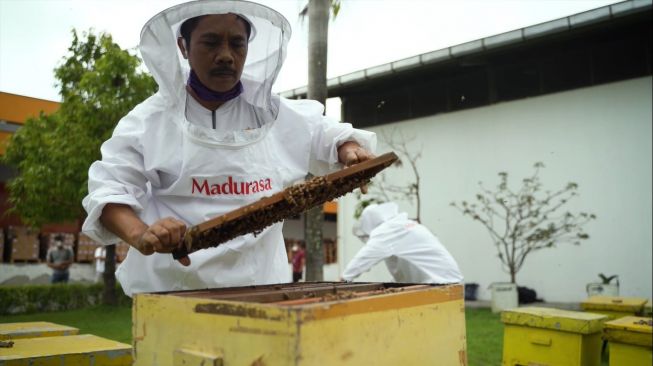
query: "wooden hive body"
303, 324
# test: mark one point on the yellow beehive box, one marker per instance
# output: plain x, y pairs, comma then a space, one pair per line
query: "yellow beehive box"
614, 306
544, 336
9, 331
648, 311
302, 324
631, 341
68, 350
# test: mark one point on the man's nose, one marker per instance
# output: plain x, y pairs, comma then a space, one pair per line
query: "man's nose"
224, 55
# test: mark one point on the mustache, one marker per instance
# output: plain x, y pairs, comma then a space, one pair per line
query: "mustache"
222, 70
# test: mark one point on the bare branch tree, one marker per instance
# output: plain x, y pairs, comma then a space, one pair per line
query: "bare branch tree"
521, 222
381, 190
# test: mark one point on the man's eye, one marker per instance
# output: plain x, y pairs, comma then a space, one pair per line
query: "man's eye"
210, 44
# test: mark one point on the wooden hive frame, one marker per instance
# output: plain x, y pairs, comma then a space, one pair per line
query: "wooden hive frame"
255, 217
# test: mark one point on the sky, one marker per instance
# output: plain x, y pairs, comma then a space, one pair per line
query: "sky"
35, 34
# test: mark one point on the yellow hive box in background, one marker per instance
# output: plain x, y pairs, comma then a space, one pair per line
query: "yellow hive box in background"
631, 341
614, 306
648, 310
302, 324
10, 331
544, 336
68, 350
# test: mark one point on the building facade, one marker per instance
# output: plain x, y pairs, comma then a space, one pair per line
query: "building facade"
573, 93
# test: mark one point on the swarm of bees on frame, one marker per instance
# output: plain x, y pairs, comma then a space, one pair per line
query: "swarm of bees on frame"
296, 199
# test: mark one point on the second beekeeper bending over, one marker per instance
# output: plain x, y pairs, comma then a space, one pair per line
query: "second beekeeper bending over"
410, 251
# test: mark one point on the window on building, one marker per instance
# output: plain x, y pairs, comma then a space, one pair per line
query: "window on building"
566, 70
516, 80
468, 89
429, 98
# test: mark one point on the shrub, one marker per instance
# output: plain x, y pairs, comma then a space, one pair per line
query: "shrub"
45, 298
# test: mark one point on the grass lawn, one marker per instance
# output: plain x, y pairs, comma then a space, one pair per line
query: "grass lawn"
104, 321
484, 337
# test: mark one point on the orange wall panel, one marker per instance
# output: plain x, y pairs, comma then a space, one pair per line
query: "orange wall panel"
17, 108
331, 207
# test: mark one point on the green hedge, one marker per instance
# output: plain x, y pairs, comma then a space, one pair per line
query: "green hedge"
44, 298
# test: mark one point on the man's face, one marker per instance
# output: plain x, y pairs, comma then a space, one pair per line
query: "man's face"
217, 51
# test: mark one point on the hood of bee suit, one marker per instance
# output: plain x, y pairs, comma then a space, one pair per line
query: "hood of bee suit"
374, 215
266, 50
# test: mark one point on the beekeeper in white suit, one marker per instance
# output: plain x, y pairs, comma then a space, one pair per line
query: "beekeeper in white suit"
410, 251
209, 141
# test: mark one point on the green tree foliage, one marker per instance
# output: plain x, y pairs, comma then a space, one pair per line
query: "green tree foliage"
99, 83
523, 221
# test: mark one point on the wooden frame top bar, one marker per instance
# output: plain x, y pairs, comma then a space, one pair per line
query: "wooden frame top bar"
283, 204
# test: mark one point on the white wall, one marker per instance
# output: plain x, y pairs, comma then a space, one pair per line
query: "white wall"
598, 137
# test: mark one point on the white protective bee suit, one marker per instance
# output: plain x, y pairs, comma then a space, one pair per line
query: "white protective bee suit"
166, 160
410, 251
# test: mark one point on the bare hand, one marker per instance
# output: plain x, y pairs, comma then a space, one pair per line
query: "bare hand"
351, 153
163, 236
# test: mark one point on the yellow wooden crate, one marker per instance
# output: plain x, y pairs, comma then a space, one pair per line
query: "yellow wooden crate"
631, 341
302, 324
10, 331
544, 336
72, 350
614, 306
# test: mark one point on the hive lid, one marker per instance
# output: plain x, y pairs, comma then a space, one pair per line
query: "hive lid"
34, 329
614, 303
66, 349
556, 319
648, 309
630, 330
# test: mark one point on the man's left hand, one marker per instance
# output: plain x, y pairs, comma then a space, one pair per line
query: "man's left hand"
351, 153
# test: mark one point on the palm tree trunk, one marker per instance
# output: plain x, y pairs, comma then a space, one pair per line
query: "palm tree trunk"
318, 32
318, 39
109, 297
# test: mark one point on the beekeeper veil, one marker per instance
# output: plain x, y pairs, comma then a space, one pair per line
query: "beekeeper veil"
270, 33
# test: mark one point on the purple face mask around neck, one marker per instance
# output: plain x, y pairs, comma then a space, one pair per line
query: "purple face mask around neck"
209, 95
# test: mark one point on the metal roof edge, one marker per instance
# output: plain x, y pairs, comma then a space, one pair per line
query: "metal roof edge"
555, 26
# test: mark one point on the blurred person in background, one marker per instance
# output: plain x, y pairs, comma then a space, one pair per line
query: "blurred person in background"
99, 257
298, 262
59, 258
410, 251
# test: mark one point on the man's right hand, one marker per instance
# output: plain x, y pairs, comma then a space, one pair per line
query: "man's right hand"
163, 236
